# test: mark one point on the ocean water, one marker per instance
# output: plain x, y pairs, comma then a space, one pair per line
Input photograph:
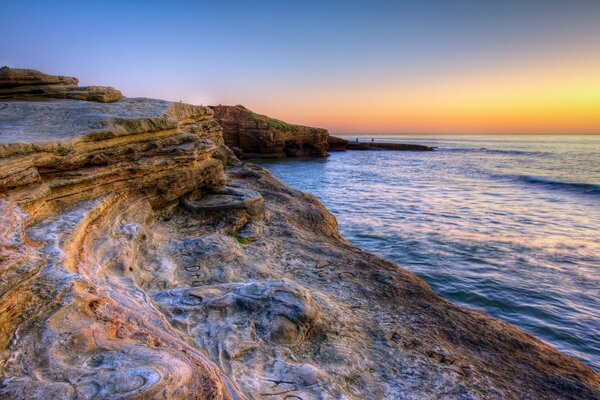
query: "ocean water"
509, 225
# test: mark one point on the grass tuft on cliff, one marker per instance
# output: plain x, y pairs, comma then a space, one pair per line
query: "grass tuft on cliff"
273, 122
278, 124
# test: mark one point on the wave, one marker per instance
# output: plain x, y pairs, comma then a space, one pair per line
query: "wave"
490, 151
514, 152
551, 183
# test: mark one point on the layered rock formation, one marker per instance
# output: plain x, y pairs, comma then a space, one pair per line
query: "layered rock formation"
134, 263
252, 135
31, 84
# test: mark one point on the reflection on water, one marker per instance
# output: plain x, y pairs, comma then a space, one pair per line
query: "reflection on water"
506, 225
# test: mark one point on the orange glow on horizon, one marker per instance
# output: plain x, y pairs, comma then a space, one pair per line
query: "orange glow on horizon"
520, 100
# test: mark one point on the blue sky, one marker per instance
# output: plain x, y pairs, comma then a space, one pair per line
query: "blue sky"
322, 62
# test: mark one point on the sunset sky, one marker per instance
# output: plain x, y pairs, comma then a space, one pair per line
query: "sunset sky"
522, 66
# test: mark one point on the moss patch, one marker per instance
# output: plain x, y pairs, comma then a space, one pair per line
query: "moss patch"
273, 122
244, 241
278, 124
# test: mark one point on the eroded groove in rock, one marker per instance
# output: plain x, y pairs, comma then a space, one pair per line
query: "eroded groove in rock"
133, 264
74, 323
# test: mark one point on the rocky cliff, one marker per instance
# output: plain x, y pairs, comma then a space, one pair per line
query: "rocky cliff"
138, 259
252, 135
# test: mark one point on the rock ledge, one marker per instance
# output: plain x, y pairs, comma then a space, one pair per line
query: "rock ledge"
31, 84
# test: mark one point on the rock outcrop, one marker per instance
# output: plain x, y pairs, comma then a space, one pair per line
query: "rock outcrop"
136, 264
252, 135
386, 146
31, 84
339, 144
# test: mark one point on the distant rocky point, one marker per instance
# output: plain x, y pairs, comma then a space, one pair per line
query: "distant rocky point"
252, 135
339, 144
139, 259
31, 84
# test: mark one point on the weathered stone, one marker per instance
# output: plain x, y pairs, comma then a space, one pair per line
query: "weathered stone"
11, 77
252, 135
31, 84
336, 144
227, 198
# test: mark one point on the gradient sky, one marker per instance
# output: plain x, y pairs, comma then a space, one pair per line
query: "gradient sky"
527, 66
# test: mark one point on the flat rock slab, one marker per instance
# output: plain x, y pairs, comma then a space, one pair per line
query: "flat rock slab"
58, 120
224, 199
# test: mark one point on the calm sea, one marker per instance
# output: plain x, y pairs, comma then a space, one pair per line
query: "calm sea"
509, 225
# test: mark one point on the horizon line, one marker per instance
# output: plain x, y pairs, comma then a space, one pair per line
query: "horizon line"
470, 133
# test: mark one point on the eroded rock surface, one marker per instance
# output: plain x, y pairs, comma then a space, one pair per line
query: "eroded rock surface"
133, 265
31, 84
252, 135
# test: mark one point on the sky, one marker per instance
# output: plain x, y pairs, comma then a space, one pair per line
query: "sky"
430, 66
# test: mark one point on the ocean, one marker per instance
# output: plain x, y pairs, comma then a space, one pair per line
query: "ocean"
508, 225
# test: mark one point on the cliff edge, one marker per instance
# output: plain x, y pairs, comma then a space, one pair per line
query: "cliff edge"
252, 135
139, 259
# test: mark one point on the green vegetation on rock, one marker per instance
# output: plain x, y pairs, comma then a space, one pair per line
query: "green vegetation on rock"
244, 241
272, 122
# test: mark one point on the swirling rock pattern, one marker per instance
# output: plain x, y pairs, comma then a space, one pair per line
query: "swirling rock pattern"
113, 286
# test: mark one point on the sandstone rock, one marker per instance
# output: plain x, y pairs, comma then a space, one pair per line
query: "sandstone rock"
133, 266
224, 199
10, 77
336, 143
65, 165
31, 84
258, 136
